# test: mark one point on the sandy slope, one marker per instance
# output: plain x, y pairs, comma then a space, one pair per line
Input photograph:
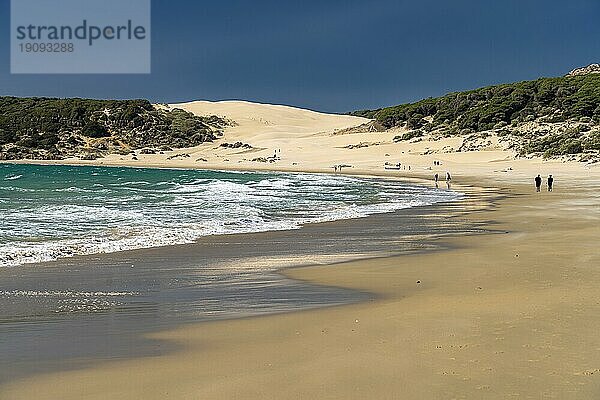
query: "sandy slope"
312, 141
268, 122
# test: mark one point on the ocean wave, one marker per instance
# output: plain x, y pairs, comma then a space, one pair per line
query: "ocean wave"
13, 177
73, 214
130, 239
278, 184
179, 208
247, 220
74, 189
16, 189
137, 183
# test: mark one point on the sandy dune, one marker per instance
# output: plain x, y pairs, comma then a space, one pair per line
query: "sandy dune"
267, 121
309, 141
313, 141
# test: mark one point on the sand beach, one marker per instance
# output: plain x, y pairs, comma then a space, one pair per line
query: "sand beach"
507, 312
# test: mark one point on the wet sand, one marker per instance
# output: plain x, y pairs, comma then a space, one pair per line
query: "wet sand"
79, 312
510, 314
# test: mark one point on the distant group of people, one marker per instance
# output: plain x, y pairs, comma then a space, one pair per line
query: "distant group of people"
538, 183
276, 156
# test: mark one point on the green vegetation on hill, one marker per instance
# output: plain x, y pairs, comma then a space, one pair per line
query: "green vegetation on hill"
556, 98
47, 128
545, 100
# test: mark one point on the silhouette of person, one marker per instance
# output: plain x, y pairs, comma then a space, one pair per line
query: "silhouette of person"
538, 183
436, 177
448, 177
550, 182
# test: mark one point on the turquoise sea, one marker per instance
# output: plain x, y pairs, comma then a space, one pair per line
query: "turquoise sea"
52, 212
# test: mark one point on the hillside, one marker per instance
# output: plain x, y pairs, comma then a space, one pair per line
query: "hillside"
54, 129
549, 116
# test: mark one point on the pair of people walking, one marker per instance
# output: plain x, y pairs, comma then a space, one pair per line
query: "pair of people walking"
538, 183
436, 177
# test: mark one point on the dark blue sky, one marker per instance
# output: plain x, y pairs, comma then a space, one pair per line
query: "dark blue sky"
336, 55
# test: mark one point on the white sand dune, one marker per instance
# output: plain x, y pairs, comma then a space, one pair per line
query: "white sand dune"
257, 120
310, 141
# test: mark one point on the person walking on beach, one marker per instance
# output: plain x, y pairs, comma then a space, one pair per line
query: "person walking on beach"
538, 183
550, 182
448, 177
436, 177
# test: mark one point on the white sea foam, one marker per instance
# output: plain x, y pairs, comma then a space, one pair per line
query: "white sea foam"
124, 215
73, 189
16, 189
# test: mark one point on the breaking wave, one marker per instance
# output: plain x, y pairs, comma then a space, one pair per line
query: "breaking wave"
53, 212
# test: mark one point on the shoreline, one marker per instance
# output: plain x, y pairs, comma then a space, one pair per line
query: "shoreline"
433, 351
422, 182
299, 258
244, 169
432, 334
